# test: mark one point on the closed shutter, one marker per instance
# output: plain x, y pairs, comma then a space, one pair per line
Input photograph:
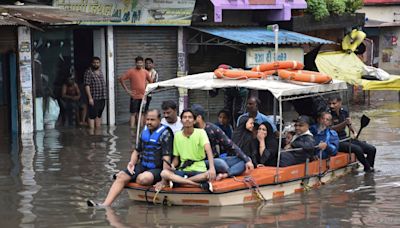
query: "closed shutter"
8, 39
158, 43
207, 59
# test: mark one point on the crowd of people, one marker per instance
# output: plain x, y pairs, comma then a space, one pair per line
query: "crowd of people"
187, 149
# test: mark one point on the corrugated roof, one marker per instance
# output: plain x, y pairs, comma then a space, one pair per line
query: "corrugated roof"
24, 15
260, 35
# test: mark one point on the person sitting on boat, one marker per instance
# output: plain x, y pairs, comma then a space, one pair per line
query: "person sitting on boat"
171, 118
191, 147
252, 111
154, 146
302, 144
264, 148
233, 161
341, 120
327, 139
224, 122
243, 134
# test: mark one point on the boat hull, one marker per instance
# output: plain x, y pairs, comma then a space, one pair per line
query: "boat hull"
249, 193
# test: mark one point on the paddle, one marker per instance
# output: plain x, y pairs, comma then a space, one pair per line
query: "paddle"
364, 122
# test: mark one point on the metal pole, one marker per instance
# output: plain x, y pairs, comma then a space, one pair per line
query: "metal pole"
280, 141
275, 27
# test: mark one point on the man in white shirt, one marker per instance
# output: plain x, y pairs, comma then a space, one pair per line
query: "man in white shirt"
171, 118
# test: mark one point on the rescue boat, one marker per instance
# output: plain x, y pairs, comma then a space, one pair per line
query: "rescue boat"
263, 183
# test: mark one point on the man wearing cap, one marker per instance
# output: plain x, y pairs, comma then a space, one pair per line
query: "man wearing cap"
327, 139
236, 162
302, 139
252, 111
341, 119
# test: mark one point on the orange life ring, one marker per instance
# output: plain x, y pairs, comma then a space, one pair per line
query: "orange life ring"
293, 65
305, 76
240, 74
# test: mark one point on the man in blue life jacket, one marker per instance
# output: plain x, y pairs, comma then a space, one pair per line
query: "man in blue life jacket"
154, 146
327, 139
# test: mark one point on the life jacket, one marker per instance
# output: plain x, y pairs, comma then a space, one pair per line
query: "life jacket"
151, 157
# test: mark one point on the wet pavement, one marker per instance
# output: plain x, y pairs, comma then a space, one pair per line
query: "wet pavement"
46, 178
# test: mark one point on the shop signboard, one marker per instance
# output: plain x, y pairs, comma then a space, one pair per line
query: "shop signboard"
135, 12
256, 56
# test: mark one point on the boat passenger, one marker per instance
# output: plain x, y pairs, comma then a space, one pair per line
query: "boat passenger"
171, 118
264, 147
252, 111
235, 161
154, 146
224, 122
191, 147
327, 139
302, 139
243, 134
341, 120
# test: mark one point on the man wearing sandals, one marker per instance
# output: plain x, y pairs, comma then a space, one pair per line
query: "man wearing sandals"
191, 147
155, 146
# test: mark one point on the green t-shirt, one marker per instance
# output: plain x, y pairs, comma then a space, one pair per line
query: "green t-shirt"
192, 148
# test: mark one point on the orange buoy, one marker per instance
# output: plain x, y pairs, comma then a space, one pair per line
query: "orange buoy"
305, 76
293, 65
240, 74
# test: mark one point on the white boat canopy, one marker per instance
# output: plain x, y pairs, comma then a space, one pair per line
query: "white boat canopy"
279, 88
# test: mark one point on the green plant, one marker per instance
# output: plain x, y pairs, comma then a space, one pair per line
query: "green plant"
318, 9
337, 7
353, 5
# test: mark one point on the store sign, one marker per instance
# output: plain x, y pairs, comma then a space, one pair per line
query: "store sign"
256, 56
138, 12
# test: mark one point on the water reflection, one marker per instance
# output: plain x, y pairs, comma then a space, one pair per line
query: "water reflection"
29, 185
46, 178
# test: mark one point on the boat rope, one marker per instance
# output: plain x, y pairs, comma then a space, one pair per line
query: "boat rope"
253, 186
145, 194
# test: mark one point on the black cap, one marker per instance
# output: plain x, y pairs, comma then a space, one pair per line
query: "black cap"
303, 119
198, 110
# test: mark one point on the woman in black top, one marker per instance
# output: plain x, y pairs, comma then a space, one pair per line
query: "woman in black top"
264, 147
243, 134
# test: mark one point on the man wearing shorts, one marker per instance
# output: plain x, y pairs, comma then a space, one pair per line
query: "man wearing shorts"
191, 147
138, 78
155, 146
95, 87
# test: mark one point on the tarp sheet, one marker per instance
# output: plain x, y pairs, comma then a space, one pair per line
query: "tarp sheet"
349, 68
279, 88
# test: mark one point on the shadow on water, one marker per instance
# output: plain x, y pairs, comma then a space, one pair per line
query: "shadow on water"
45, 179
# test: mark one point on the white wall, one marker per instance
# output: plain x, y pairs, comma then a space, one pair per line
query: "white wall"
381, 13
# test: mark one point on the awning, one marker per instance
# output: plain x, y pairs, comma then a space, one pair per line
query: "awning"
28, 14
261, 36
279, 88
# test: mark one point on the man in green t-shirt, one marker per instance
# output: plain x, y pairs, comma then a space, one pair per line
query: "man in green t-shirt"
191, 146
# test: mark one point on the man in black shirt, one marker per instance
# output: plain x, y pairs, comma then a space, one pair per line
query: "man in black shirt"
341, 120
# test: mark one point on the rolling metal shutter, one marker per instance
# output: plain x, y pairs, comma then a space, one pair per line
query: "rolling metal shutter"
158, 43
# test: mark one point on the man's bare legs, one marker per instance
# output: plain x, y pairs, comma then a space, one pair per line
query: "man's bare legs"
145, 178
168, 175
132, 120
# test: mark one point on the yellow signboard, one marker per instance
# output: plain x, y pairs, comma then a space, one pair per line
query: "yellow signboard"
137, 12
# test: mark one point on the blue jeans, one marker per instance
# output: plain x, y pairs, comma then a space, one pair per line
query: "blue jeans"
231, 165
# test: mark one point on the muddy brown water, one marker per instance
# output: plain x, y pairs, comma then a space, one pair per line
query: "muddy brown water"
45, 179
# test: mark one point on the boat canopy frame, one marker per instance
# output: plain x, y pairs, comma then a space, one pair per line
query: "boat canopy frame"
281, 90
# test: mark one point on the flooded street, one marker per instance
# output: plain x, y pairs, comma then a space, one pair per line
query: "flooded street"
46, 178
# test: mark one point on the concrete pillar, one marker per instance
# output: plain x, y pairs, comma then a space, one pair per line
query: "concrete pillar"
110, 75
25, 80
182, 68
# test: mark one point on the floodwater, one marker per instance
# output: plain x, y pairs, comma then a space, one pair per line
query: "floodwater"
46, 178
